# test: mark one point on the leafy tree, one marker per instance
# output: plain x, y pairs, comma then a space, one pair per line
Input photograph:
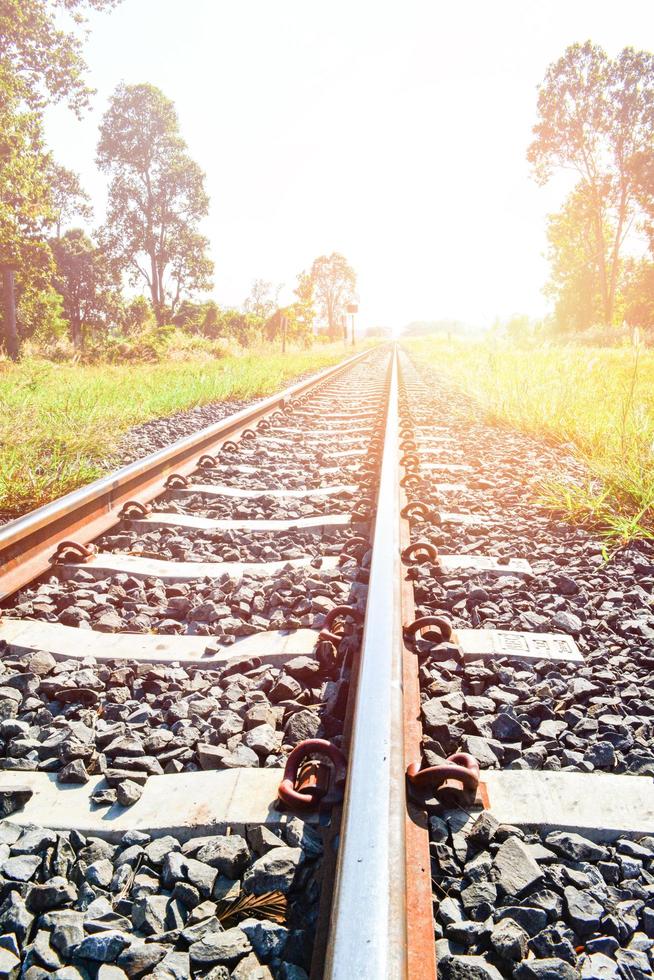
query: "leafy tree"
639, 293
41, 59
304, 293
211, 319
643, 172
67, 197
244, 328
574, 252
595, 116
199, 318
263, 298
40, 315
156, 198
136, 315
24, 206
86, 282
333, 282
298, 327
40, 63
24, 189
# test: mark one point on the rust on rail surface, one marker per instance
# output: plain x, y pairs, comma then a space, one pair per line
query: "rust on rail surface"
421, 956
27, 544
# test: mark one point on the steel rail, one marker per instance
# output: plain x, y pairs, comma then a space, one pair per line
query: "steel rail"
420, 928
368, 926
27, 543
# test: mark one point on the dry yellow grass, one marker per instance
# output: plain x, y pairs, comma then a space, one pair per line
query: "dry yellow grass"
600, 400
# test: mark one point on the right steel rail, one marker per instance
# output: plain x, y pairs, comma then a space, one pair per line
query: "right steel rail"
368, 929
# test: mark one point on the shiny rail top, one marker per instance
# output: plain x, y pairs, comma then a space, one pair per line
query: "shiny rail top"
368, 922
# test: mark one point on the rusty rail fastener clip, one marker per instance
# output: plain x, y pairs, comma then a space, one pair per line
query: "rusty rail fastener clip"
308, 782
338, 615
443, 626
418, 552
73, 551
174, 481
455, 779
417, 509
134, 508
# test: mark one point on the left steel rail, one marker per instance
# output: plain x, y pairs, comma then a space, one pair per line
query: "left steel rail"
27, 544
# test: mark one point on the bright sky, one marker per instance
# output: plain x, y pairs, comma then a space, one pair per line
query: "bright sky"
393, 131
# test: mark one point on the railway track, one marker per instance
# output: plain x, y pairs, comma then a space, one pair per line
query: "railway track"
265, 711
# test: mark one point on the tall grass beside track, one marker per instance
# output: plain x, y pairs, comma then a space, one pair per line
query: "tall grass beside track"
597, 401
60, 423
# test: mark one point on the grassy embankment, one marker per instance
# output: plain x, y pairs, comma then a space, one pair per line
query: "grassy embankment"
59, 423
599, 400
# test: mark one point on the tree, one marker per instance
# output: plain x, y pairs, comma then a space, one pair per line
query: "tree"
304, 292
639, 293
40, 57
643, 172
199, 318
263, 299
243, 327
67, 197
136, 315
291, 321
574, 254
211, 319
333, 283
24, 190
156, 198
86, 282
24, 204
595, 116
40, 315
40, 63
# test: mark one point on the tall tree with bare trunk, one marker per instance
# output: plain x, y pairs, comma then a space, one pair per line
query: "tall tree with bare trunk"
157, 198
333, 282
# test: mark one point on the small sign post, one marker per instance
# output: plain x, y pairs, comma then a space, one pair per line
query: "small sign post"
352, 308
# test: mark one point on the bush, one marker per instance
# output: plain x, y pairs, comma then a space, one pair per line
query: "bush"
60, 349
156, 344
602, 336
137, 315
40, 316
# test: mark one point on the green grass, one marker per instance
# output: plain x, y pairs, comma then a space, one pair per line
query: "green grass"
60, 423
598, 401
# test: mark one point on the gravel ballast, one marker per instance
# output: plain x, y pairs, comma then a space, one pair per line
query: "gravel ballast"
79, 907
509, 903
